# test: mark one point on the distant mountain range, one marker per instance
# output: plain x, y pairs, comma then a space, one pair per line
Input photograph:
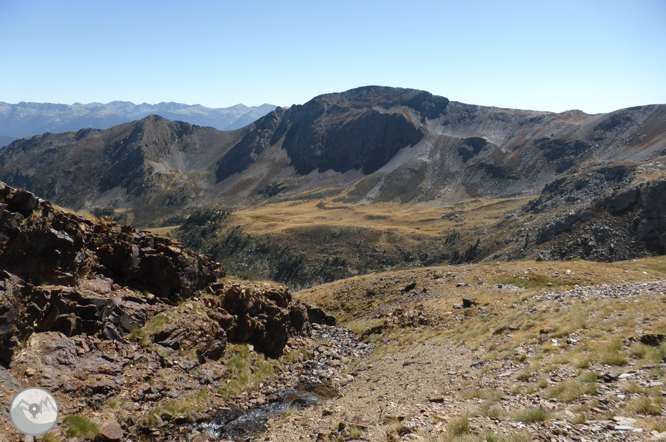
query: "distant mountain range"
27, 119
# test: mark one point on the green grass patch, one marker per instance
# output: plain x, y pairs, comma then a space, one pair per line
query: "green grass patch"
80, 426
588, 376
50, 437
459, 426
143, 335
180, 406
247, 370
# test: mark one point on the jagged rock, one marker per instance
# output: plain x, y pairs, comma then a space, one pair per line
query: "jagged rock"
468, 302
43, 244
265, 316
653, 340
409, 287
192, 331
611, 376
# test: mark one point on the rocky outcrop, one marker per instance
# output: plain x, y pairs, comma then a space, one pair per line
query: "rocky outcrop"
264, 315
613, 213
92, 311
46, 245
65, 273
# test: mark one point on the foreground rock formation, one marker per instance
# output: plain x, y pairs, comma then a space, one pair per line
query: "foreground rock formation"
102, 315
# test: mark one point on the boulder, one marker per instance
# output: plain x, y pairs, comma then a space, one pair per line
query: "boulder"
317, 315
111, 430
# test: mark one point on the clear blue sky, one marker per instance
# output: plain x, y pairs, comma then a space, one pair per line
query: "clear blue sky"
555, 55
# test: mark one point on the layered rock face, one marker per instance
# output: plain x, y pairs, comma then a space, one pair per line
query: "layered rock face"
45, 245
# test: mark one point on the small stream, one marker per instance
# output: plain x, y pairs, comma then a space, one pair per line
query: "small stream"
239, 424
308, 384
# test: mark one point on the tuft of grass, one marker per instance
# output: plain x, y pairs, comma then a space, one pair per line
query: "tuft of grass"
355, 432
524, 375
652, 424
178, 406
651, 406
79, 426
588, 376
633, 387
459, 426
583, 362
656, 354
610, 354
477, 393
296, 356
530, 415
639, 351
143, 335
492, 410
578, 419
571, 390
50, 437
247, 369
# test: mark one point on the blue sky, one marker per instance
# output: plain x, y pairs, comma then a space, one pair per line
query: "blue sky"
596, 56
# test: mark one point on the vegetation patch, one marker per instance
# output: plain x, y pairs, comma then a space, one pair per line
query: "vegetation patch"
247, 368
536, 281
143, 335
530, 415
80, 426
571, 390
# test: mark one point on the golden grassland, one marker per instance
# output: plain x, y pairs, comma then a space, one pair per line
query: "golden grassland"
404, 218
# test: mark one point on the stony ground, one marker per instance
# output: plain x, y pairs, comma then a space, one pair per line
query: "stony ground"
576, 365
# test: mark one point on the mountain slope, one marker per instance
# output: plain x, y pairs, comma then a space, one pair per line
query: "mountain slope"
28, 119
150, 167
368, 144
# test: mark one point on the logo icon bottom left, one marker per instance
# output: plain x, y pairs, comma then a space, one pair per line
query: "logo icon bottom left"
34, 411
